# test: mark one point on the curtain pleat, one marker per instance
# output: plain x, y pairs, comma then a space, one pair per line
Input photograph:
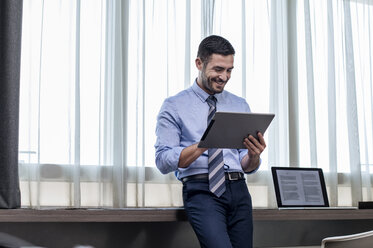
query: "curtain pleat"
188, 16
332, 115
278, 151
366, 92
244, 48
77, 126
294, 160
352, 115
117, 12
370, 97
310, 84
207, 16
10, 57
332, 119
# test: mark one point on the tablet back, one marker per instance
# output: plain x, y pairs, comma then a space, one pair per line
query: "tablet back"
228, 129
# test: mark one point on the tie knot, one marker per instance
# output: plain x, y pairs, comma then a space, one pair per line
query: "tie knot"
211, 100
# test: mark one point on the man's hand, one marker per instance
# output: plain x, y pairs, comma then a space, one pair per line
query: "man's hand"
255, 147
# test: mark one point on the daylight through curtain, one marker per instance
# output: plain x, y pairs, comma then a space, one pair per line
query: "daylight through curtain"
94, 74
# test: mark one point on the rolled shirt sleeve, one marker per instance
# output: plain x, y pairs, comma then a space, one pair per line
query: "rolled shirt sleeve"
168, 133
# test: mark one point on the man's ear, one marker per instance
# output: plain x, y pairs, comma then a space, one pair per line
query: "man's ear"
199, 64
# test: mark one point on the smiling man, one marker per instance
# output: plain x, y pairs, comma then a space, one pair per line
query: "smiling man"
215, 194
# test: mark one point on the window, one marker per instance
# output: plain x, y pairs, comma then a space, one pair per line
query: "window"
94, 74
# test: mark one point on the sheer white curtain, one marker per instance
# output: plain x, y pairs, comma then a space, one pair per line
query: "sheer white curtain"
72, 94
94, 74
334, 68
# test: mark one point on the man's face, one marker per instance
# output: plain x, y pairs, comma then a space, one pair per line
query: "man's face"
214, 75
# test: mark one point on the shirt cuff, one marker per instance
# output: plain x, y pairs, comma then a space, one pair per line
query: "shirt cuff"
243, 153
173, 158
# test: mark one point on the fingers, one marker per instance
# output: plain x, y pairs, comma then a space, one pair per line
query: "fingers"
261, 139
251, 147
254, 145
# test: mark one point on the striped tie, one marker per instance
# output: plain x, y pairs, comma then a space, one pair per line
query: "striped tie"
216, 162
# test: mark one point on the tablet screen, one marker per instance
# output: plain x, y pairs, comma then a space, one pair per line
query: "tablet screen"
299, 187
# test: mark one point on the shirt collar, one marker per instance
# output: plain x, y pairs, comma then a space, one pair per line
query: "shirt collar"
202, 95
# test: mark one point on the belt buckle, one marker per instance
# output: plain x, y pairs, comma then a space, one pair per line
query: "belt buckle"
230, 177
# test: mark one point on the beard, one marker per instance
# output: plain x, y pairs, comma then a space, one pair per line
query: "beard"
208, 83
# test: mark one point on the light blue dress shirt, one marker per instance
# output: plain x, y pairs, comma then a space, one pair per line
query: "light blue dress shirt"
182, 121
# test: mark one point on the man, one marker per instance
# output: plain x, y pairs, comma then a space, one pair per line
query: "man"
215, 194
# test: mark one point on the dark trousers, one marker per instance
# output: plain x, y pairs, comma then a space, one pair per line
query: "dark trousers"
219, 222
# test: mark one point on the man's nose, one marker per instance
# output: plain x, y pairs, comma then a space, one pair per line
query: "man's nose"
224, 76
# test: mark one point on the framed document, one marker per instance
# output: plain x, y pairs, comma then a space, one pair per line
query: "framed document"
228, 129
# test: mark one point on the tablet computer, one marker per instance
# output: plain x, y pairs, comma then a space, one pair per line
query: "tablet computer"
300, 187
228, 129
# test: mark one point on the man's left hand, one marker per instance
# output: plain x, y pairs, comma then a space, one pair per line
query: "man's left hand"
255, 147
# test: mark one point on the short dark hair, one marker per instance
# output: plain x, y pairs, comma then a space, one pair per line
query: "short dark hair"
214, 44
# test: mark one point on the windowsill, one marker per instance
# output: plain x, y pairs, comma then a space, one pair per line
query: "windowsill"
169, 215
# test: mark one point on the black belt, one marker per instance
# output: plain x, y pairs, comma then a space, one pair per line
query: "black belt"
231, 176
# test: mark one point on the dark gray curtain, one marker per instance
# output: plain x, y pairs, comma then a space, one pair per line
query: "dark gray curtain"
10, 54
